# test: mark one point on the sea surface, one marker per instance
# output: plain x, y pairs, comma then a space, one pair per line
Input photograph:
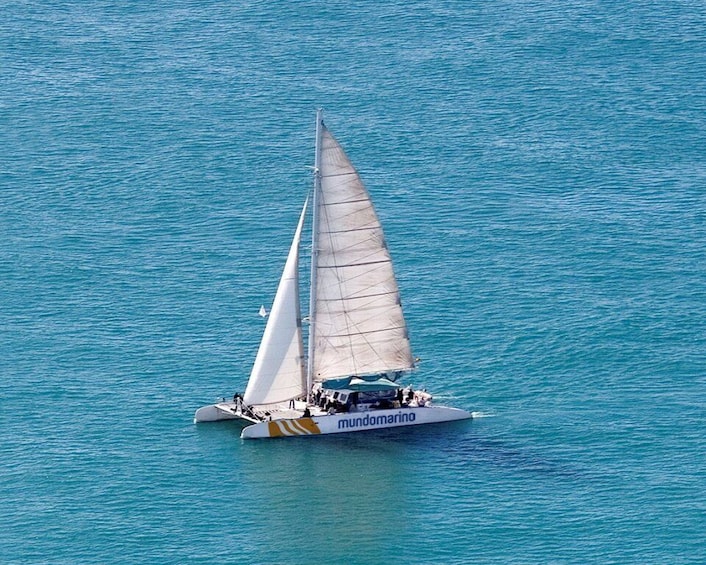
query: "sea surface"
540, 170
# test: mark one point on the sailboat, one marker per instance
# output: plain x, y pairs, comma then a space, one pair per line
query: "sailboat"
358, 352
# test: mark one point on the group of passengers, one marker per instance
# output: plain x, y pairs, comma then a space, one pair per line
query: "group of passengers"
405, 397
333, 405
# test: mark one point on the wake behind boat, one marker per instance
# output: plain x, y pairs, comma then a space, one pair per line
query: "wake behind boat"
358, 348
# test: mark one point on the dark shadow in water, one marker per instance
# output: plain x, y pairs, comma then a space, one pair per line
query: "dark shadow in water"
457, 442
472, 448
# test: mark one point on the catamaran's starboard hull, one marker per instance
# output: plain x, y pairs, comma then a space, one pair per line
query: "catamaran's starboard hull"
354, 422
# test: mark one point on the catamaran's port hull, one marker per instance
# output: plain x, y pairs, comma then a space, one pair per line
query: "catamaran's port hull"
221, 411
354, 422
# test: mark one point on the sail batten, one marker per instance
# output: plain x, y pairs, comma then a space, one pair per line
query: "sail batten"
357, 297
344, 201
349, 230
371, 332
330, 175
346, 265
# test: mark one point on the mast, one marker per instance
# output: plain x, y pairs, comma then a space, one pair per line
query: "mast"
314, 254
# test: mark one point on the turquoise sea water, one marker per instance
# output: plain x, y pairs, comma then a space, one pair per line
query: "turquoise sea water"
539, 169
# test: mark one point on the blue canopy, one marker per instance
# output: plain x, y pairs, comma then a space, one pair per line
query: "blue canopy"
357, 384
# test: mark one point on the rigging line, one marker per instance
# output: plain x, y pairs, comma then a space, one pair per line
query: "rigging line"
371, 347
363, 248
365, 317
362, 198
368, 320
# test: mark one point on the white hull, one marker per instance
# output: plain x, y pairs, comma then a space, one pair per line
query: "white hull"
353, 422
220, 411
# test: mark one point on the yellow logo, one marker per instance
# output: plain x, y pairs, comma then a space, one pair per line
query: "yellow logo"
298, 427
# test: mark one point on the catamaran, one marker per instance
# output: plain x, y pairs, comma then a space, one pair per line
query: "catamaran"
358, 354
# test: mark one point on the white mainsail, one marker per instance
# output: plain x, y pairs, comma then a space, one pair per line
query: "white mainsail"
358, 325
278, 372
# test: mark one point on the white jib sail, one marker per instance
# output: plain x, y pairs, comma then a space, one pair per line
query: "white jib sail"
360, 328
278, 372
